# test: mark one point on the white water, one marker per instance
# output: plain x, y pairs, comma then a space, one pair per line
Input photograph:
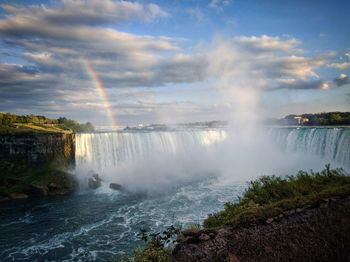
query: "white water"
151, 161
106, 153
332, 144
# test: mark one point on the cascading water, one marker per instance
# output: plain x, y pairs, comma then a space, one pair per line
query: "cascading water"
328, 143
101, 151
108, 150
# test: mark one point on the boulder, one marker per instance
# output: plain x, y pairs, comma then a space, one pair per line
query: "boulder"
94, 182
38, 190
116, 186
3, 198
18, 196
52, 186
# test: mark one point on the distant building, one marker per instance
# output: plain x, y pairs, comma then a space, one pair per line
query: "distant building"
300, 120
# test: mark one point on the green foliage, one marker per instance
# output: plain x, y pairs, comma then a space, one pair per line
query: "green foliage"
156, 248
69, 124
10, 123
330, 118
269, 195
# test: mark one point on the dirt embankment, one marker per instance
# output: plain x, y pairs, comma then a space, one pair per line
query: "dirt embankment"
318, 232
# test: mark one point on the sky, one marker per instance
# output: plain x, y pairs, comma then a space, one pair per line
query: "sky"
130, 62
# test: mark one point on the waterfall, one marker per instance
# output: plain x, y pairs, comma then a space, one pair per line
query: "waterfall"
328, 143
99, 151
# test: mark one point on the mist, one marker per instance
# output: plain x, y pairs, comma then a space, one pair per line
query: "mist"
239, 75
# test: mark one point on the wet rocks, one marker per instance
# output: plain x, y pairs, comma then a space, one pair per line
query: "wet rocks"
116, 186
3, 199
94, 182
52, 186
18, 196
38, 190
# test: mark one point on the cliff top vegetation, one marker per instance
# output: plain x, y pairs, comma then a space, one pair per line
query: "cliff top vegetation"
318, 119
11, 123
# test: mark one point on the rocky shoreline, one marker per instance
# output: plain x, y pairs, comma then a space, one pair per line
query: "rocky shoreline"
317, 232
59, 183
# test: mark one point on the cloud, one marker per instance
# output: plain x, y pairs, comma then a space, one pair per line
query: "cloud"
341, 80
197, 14
340, 65
262, 61
219, 4
52, 76
79, 12
294, 84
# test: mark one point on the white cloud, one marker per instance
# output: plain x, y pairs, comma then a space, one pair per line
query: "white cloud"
340, 65
219, 4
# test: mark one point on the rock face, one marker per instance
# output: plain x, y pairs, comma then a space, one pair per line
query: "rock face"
39, 190
34, 164
18, 196
36, 149
318, 233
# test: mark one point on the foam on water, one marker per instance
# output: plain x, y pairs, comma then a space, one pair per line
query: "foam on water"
89, 226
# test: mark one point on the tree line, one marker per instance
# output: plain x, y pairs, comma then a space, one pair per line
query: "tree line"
319, 119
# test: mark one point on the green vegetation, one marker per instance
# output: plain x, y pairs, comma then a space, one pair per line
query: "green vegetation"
156, 249
320, 119
19, 178
269, 196
11, 123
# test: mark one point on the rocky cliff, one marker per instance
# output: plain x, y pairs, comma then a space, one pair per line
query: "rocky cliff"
31, 163
35, 149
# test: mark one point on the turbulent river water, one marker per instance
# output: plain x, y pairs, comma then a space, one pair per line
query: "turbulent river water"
97, 225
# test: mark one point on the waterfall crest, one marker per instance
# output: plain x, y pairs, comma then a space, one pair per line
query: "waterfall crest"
109, 150
329, 143
99, 151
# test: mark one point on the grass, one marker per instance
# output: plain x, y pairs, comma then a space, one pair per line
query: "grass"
31, 128
269, 196
37, 127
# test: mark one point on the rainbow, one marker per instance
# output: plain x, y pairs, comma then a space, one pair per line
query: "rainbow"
101, 91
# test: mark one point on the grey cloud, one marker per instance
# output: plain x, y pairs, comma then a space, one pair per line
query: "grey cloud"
301, 84
341, 80
92, 12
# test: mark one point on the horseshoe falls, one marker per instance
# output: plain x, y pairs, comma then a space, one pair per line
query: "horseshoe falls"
110, 150
101, 151
97, 225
